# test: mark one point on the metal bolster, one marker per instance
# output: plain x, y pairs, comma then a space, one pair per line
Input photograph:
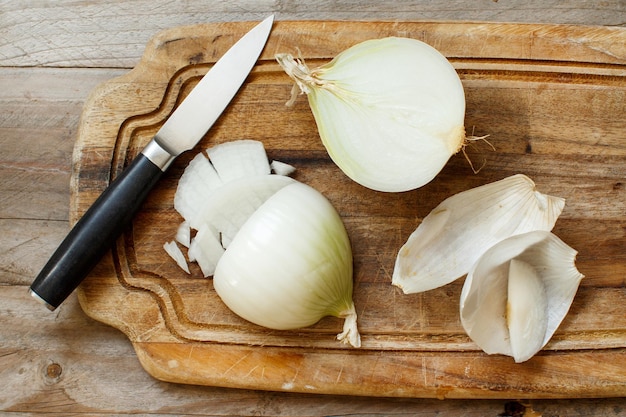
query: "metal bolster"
158, 155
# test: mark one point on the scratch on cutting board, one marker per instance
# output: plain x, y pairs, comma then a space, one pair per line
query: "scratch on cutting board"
381, 259
235, 364
289, 385
254, 368
339, 375
375, 367
146, 334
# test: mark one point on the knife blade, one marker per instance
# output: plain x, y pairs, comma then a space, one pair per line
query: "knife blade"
115, 208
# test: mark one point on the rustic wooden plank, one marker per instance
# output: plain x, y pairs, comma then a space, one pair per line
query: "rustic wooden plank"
176, 323
40, 114
83, 34
41, 110
67, 364
25, 246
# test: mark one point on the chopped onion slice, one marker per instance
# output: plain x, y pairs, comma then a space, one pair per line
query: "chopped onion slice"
239, 159
281, 168
231, 206
195, 187
206, 250
174, 251
183, 234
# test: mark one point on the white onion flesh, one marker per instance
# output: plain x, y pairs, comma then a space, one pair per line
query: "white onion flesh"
248, 159
389, 111
281, 168
206, 249
230, 206
174, 251
183, 234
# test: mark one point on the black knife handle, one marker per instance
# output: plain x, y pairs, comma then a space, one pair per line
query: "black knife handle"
95, 232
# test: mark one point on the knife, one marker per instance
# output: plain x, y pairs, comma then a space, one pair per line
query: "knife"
113, 211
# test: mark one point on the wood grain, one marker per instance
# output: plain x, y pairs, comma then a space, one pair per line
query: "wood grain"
551, 98
69, 33
100, 375
38, 122
95, 41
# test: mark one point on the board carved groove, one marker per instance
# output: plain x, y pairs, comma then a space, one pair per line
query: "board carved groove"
550, 97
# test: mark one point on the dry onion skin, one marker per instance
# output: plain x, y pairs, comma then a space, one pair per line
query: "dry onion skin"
461, 228
277, 249
521, 278
518, 292
389, 111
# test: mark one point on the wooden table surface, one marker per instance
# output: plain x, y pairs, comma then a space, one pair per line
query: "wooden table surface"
52, 54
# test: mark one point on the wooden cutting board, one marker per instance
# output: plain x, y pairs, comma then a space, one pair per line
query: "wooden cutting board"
552, 100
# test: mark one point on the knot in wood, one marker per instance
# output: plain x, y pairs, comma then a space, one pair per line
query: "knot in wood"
53, 372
